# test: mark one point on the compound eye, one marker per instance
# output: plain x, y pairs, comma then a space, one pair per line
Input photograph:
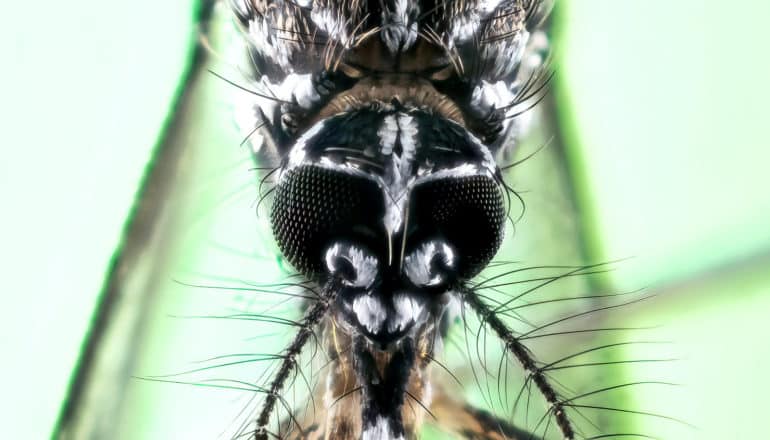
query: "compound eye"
315, 207
467, 212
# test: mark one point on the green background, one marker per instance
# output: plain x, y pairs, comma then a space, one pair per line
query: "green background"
661, 106
85, 89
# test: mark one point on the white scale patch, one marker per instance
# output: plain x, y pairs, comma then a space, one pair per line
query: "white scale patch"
464, 27
328, 21
380, 431
464, 170
417, 265
408, 310
388, 132
298, 152
502, 55
487, 94
533, 59
398, 175
370, 312
262, 38
489, 6
507, 54
364, 264
497, 95
398, 33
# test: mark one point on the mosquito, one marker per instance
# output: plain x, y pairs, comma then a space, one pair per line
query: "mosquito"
383, 128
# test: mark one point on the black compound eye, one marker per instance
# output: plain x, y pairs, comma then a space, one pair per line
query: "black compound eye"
315, 206
468, 212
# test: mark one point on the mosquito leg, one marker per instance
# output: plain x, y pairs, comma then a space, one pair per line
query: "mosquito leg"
312, 317
527, 361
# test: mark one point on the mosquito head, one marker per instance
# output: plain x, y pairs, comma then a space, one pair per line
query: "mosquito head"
381, 121
397, 204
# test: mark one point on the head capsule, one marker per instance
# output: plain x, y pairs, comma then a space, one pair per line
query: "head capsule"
398, 202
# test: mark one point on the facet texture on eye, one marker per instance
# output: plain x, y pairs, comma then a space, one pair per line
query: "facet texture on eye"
313, 206
468, 212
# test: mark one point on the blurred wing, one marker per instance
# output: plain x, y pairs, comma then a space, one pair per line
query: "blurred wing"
185, 344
